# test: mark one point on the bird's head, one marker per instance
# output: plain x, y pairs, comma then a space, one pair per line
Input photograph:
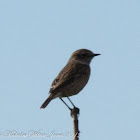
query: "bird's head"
83, 55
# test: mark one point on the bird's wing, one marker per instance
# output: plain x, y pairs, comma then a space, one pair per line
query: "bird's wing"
54, 83
67, 75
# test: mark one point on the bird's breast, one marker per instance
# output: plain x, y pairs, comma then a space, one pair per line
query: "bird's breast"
76, 85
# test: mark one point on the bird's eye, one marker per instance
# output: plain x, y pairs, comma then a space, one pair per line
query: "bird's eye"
83, 55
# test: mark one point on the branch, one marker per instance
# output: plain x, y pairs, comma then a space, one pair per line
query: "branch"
74, 115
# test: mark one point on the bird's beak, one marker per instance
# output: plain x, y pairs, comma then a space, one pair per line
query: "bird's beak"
96, 54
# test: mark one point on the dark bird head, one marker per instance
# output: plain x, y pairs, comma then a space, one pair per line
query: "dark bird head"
83, 55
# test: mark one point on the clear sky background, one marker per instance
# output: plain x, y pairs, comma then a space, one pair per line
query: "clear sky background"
37, 39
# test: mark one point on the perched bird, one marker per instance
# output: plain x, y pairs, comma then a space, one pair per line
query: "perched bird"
73, 77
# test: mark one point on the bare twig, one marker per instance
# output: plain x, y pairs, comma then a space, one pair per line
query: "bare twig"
74, 115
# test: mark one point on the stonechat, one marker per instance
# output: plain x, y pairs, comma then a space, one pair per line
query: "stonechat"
73, 77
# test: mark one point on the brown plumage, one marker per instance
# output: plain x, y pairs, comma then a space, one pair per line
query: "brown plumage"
73, 77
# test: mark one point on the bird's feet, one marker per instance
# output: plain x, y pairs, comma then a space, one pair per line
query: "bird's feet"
75, 111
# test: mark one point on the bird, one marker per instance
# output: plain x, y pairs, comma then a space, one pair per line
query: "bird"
73, 77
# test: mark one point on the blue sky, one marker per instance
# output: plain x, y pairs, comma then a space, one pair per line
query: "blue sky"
37, 39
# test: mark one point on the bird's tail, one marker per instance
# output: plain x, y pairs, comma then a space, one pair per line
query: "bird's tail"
46, 102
